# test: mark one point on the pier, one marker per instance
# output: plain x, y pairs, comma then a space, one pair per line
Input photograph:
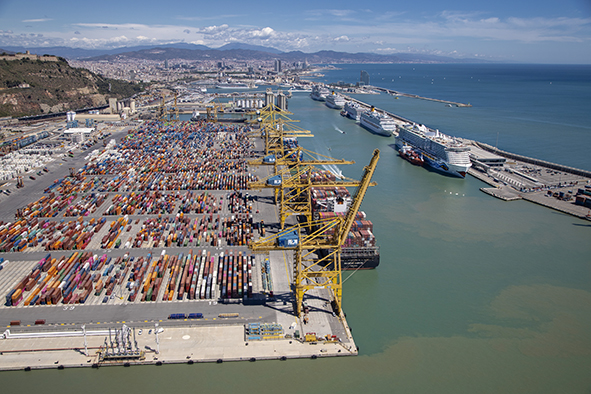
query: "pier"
395, 93
517, 177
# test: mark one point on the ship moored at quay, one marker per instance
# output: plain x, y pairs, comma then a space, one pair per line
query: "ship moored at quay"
319, 92
352, 110
500, 169
377, 122
439, 151
335, 101
506, 172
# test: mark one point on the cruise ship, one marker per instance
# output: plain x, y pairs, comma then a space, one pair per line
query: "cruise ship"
441, 152
300, 88
352, 110
335, 101
234, 85
319, 93
377, 122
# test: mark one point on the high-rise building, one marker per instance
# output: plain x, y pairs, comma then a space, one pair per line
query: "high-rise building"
364, 78
277, 65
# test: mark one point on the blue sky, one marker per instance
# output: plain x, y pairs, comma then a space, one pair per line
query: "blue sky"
541, 31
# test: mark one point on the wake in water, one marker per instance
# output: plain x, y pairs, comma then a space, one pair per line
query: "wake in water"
339, 130
334, 170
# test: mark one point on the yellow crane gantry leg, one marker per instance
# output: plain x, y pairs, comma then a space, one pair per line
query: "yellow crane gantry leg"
321, 272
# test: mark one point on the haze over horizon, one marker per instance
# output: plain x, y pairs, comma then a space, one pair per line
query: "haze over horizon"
544, 31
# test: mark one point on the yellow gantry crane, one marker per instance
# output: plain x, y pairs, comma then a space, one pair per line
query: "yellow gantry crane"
164, 114
275, 127
212, 111
310, 270
176, 117
293, 186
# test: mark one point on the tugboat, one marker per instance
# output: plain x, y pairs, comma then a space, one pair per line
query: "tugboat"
406, 152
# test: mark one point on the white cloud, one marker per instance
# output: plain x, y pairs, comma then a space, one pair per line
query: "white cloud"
213, 29
36, 20
352, 30
262, 33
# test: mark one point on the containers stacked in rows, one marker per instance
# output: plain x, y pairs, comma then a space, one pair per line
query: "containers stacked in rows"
73, 279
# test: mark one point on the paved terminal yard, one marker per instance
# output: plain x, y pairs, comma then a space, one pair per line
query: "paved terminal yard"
561, 188
138, 235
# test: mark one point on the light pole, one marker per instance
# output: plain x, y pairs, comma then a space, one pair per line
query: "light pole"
85, 343
157, 340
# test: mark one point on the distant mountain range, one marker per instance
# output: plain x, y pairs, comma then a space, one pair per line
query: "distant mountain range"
238, 51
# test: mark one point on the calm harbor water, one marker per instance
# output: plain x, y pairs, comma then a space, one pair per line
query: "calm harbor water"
473, 295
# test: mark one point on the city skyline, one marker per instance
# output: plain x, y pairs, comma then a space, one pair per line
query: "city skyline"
542, 32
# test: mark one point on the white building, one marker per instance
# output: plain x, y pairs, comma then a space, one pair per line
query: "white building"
78, 134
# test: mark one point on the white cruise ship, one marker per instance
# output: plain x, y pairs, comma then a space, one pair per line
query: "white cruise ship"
352, 110
377, 122
234, 85
335, 101
440, 151
319, 92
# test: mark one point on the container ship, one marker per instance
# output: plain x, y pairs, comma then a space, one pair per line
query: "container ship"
335, 101
441, 152
377, 122
360, 250
319, 93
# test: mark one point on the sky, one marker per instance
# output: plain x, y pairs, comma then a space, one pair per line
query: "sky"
531, 31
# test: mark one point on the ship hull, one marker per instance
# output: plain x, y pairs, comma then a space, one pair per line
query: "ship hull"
412, 157
352, 116
332, 105
445, 168
375, 129
358, 259
316, 97
436, 164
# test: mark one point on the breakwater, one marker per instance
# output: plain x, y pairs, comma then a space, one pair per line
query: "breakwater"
538, 162
395, 93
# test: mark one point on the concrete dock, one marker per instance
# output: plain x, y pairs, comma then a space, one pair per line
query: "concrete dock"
209, 339
522, 178
176, 345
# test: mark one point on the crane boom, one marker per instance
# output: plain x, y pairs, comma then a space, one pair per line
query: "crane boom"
321, 273
359, 195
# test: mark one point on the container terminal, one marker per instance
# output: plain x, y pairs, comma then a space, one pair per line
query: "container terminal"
171, 243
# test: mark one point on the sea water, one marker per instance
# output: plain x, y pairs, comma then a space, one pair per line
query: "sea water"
542, 111
473, 294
